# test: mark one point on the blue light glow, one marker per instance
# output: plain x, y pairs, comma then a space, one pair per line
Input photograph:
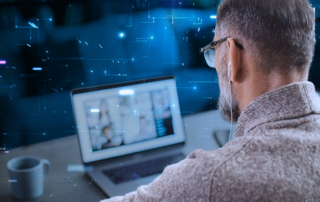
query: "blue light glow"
33, 25
213, 16
37, 68
121, 34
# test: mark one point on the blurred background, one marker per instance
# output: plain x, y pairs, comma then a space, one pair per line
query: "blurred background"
50, 47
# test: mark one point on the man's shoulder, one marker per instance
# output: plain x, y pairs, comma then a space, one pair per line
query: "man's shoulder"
270, 139
294, 126
275, 159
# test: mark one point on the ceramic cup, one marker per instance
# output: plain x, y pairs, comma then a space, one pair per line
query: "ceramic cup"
26, 176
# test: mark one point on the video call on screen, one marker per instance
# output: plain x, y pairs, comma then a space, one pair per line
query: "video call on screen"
127, 119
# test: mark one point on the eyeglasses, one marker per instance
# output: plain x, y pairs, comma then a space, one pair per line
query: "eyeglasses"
209, 52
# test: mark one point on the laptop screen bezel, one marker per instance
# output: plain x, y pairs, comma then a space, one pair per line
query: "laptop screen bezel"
117, 85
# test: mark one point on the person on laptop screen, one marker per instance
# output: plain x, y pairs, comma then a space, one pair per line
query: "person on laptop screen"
262, 52
108, 134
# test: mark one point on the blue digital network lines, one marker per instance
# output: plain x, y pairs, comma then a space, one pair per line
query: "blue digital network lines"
33, 25
37, 68
148, 40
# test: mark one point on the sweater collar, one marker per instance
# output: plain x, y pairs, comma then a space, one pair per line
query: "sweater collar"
287, 102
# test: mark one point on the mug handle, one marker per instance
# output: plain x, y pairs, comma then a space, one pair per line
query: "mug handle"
45, 161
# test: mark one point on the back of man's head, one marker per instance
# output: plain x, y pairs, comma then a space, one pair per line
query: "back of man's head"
278, 34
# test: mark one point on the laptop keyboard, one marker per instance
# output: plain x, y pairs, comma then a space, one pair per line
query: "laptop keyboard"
143, 169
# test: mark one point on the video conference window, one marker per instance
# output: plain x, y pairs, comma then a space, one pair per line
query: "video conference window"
123, 120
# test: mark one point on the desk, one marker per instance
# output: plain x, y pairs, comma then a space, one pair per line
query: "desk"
62, 185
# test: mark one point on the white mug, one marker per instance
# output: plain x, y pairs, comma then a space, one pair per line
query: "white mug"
26, 176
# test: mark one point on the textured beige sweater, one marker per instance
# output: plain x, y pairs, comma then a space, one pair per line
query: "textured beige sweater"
275, 156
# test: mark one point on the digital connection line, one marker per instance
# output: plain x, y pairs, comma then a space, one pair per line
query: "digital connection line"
203, 81
33, 25
37, 68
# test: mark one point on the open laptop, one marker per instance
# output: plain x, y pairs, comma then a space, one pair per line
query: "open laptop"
128, 132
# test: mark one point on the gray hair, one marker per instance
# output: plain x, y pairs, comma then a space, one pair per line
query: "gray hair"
277, 33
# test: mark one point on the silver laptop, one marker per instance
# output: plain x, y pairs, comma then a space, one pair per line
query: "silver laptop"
128, 132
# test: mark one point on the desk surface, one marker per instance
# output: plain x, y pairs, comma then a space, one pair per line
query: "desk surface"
62, 185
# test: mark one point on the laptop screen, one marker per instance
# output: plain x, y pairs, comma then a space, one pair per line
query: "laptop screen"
115, 120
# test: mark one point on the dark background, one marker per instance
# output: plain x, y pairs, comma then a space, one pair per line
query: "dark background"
35, 105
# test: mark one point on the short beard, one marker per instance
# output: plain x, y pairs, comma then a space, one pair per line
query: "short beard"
225, 97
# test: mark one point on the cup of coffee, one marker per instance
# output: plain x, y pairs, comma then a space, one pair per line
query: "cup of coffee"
26, 176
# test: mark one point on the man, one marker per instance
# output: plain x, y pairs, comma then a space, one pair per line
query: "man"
111, 141
275, 153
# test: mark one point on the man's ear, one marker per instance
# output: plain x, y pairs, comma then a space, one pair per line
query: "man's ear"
234, 58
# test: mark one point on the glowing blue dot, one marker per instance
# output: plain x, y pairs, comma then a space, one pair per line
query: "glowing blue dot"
121, 34
195, 88
152, 37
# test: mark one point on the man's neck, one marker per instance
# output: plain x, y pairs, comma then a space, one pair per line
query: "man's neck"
262, 83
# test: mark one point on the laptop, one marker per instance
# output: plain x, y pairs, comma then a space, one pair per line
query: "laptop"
128, 132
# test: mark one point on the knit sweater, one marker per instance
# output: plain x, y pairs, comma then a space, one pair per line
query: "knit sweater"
275, 156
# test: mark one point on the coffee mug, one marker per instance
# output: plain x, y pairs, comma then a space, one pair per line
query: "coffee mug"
26, 176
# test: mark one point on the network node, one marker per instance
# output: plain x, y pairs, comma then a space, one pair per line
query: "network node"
121, 35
